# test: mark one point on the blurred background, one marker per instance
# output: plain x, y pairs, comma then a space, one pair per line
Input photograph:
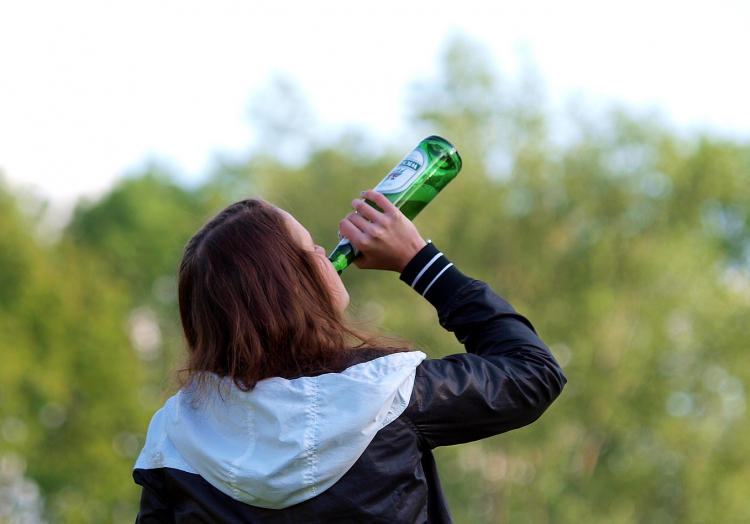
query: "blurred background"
605, 193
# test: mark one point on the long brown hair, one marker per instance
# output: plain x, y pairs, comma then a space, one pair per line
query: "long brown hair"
253, 304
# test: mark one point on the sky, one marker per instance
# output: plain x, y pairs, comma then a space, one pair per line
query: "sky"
91, 91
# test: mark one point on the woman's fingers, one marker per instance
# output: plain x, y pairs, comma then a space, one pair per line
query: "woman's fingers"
381, 201
357, 228
369, 212
366, 210
387, 239
360, 221
351, 230
361, 231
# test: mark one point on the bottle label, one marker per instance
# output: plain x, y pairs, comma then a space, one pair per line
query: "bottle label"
404, 173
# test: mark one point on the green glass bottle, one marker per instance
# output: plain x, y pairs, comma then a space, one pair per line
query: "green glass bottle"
411, 185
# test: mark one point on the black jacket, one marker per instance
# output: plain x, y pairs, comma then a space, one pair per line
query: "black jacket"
506, 380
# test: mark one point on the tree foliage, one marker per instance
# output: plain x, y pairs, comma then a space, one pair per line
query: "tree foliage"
625, 243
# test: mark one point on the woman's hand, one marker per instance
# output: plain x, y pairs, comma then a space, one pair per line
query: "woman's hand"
387, 240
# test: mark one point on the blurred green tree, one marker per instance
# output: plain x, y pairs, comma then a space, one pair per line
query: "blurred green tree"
626, 244
140, 228
69, 382
628, 248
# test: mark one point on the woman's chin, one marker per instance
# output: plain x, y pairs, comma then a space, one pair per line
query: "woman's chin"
342, 301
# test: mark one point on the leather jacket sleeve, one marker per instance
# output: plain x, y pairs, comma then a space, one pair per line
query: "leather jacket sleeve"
507, 378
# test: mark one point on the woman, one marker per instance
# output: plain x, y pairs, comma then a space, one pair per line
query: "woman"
289, 415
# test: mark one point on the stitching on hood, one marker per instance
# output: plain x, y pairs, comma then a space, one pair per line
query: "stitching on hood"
312, 437
240, 479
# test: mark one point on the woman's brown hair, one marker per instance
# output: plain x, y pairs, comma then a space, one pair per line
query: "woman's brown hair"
253, 304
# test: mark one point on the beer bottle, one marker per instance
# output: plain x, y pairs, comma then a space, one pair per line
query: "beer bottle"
411, 185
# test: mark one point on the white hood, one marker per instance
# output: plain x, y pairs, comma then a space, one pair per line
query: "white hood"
285, 441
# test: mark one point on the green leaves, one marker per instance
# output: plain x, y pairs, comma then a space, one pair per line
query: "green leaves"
625, 243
